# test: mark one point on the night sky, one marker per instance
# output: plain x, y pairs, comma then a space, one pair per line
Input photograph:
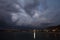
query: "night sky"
39, 13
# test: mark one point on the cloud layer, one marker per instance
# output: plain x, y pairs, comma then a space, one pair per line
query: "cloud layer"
20, 12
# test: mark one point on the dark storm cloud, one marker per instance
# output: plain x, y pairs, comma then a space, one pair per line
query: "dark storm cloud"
41, 13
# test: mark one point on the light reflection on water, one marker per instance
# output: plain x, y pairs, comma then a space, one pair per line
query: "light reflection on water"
30, 36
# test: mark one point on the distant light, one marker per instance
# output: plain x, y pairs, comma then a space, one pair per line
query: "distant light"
53, 30
46, 30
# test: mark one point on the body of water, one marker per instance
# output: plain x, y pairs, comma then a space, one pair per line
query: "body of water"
29, 36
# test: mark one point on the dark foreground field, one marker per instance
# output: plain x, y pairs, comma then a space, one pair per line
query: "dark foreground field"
29, 36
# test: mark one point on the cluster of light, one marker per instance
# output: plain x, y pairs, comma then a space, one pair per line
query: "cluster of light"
53, 30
